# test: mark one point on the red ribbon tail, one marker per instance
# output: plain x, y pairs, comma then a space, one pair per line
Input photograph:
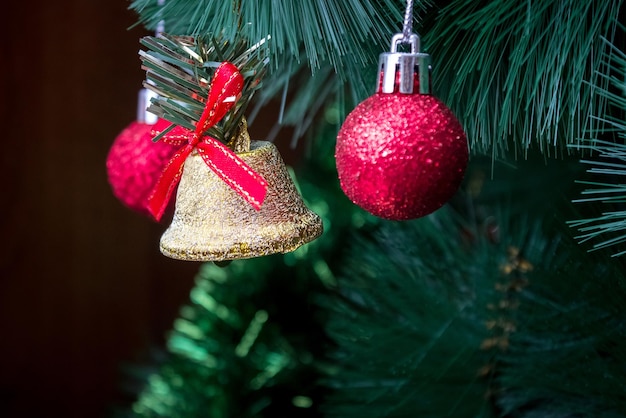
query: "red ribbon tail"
165, 186
233, 171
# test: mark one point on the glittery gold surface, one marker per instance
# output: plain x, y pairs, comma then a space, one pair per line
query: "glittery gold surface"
213, 223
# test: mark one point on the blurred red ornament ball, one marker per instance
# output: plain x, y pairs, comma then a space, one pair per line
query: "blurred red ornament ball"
134, 164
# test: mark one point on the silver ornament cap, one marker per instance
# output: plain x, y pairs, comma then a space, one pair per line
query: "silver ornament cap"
404, 72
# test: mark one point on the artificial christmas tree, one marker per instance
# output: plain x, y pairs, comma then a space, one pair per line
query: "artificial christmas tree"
487, 307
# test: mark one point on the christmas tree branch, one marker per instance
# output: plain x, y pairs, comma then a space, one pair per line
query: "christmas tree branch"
609, 162
179, 70
483, 309
521, 75
336, 43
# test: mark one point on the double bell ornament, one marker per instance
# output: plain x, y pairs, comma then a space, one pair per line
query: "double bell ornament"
401, 153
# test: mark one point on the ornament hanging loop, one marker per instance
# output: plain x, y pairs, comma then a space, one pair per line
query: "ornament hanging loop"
399, 38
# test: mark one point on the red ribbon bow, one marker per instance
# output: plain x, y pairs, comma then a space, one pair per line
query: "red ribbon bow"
225, 89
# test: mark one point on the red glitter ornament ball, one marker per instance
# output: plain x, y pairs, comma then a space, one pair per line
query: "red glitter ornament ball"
401, 156
134, 164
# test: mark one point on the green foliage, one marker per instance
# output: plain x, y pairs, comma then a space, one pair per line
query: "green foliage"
608, 229
522, 74
180, 70
478, 310
234, 352
568, 356
408, 323
339, 34
320, 51
608, 164
519, 75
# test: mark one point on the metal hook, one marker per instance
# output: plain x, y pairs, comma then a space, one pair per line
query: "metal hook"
413, 40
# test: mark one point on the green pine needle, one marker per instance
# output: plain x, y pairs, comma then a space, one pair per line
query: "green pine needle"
334, 45
235, 349
522, 74
608, 230
179, 71
410, 320
478, 312
568, 359
339, 34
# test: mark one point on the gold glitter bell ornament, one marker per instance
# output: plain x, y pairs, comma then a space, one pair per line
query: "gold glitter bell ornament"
213, 223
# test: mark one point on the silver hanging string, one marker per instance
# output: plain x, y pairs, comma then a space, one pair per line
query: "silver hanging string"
408, 22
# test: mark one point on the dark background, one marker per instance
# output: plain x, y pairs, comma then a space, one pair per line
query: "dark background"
84, 289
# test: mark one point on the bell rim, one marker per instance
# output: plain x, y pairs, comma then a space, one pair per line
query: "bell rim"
228, 250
